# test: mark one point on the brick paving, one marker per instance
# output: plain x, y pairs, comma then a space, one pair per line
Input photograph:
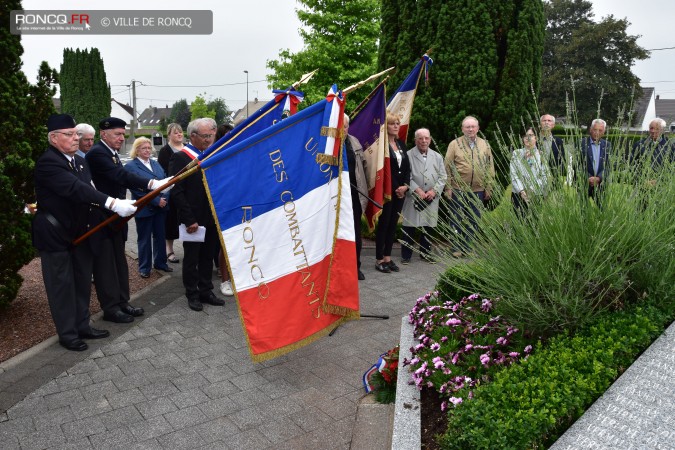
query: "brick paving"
183, 379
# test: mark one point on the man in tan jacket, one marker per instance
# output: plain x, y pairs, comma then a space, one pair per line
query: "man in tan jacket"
470, 168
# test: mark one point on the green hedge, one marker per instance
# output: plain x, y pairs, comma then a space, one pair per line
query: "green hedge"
529, 405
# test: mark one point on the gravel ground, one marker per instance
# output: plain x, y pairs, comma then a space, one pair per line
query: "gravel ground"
27, 321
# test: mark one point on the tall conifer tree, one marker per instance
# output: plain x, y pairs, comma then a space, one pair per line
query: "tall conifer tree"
85, 92
24, 110
487, 60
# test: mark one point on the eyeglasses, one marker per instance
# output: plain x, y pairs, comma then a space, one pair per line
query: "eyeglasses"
204, 136
69, 134
530, 136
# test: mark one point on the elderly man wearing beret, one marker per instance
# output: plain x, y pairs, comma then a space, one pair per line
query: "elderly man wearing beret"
111, 271
66, 200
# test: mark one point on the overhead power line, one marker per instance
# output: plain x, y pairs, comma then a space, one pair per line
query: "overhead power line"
201, 86
657, 49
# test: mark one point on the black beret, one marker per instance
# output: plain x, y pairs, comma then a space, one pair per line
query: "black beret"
60, 122
110, 123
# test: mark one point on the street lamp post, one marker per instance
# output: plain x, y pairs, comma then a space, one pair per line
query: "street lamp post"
246, 72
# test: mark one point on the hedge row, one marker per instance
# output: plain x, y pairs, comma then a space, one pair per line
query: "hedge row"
529, 405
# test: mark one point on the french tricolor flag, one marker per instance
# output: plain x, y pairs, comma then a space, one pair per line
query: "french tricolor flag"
282, 202
401, 103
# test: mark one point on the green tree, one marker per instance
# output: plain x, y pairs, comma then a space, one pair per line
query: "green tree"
487, 61
180, 113
24, 109
85, 93
589, 62
223, 113
340, 40
199, 109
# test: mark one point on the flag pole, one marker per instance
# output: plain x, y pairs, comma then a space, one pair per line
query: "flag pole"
138, 203
354, 87
142, 202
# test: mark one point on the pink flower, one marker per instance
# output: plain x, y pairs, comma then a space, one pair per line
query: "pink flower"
453, 322
435, 346
455, 400
502, 340
422, 369
444, 406
444, 339
438, 362
528, 350
486, 306
468, 347
484, 359
514, 354
455, 358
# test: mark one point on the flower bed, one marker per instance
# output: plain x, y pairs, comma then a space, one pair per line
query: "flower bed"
505, 398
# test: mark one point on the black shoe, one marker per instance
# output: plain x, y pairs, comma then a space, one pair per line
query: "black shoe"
172, 258
383, 267
405, 261
118, 317
211, 299
393, 267
93, 333
144, 274
128, 309
195, 304
164, 269
361, 275
76, 345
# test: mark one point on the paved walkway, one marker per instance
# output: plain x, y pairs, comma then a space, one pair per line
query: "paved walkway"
184, 379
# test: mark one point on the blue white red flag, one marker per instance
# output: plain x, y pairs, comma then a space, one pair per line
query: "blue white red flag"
281, 106
281, 199
401, 103
369, 126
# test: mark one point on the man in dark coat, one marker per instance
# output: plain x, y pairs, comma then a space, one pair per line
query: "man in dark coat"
190, 199
551, 147
66, 201
595, 158
655, 148
111, 271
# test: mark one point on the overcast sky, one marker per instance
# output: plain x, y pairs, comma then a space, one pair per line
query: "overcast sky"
250, 32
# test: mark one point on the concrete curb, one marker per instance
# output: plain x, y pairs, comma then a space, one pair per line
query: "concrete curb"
34, 350
407, 414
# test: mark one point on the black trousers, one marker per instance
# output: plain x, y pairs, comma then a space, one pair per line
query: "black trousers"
356, 208
386, 227
111, 273
67, 278
198, 265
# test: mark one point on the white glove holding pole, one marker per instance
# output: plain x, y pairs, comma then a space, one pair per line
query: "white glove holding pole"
122, 207
154, 184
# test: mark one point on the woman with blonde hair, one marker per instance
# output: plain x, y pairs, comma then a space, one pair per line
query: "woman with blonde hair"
149, 220
400, 180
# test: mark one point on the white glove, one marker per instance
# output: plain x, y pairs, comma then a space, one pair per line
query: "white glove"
154, 184
122, 207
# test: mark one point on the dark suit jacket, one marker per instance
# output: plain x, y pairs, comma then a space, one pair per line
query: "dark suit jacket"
136, 166
110, 178
587, 155
661, 152
109, 174
556, 159
68, 196
189, 195
399, 175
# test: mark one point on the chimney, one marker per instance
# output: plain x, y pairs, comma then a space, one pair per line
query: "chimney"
657, 97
